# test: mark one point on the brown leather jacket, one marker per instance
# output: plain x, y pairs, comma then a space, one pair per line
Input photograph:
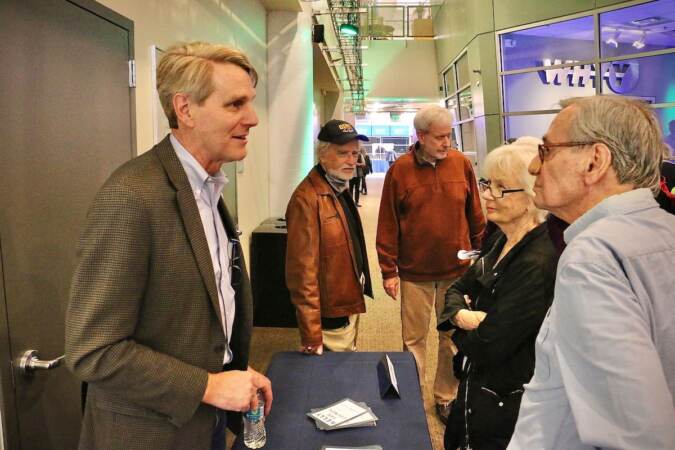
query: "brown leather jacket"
321, 271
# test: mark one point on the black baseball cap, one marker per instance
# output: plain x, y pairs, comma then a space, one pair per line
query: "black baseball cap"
339, 132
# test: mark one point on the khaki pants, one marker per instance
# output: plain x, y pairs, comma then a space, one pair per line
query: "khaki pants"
418, 300
342, 339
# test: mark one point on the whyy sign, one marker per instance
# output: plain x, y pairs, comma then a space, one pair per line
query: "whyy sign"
621, 76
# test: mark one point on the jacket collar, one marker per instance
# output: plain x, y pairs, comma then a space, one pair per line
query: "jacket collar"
319, 182
189, 212
418, 156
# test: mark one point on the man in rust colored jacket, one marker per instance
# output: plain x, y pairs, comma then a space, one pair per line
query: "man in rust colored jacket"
430, 210
326, 262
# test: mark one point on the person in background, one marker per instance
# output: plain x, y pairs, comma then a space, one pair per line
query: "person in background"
670, 139
604, 354
368, 170
497, 306
390, 156
327, 270
430, 209
359, 174
160, 314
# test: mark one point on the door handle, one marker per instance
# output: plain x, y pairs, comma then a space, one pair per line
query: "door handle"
29, 362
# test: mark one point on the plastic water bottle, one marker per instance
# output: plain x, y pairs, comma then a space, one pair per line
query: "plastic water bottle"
254, 425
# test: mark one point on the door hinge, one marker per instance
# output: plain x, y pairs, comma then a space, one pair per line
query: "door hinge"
132, 73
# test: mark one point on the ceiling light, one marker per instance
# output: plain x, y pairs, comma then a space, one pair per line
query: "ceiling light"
614, 39
348, 29
640, 43
649, 21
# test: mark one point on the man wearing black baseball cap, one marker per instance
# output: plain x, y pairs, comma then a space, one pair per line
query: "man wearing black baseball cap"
326, 262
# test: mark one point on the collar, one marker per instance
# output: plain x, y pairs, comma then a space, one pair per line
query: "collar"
614, 205
197, 175
337, 184
421, 157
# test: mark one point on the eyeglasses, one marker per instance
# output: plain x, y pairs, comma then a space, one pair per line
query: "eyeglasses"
495, 191
235, 262
545, 149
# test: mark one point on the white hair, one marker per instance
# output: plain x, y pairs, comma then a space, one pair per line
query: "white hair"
509, 163
321, 147
429, 115
628, 128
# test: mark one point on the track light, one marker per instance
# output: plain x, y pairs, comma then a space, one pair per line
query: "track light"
614, 39
348, 29
640, 43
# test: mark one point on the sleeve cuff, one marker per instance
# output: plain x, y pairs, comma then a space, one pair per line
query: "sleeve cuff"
388, 275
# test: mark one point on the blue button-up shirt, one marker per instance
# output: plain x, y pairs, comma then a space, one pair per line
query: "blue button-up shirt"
207, 190
605, 354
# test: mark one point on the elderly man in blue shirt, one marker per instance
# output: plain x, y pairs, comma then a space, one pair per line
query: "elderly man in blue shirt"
605, 354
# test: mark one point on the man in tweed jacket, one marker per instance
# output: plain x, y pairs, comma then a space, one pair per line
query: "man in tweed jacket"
159, 320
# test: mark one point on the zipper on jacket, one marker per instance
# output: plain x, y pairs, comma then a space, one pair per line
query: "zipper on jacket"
466, 408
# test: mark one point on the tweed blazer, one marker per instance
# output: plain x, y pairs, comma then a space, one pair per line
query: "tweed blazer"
143, 324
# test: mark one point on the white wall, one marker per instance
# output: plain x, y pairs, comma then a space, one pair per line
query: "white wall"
401, 69
238, 23
290, 99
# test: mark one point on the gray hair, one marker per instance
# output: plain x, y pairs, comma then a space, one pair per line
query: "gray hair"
425, 117
509, 162
628, 128
321, 147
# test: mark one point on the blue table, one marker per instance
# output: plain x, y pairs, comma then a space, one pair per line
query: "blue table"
302, 382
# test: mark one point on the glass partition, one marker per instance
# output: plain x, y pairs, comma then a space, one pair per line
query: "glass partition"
651, 78
450, 84
463, 75
420, 22
622, 51
530, 125
637, 29
555, 43
387, 21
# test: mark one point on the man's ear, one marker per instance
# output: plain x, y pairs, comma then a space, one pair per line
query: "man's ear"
598, 164
182, 107
421, 136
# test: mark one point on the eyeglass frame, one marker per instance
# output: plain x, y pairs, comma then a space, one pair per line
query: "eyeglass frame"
545, 149
234, 257
486, 185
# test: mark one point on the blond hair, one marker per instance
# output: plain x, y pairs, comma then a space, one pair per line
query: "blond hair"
187, 68
509, 163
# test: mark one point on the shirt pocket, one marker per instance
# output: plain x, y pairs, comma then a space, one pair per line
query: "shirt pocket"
332, 231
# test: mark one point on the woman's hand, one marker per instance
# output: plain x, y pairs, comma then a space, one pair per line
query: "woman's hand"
468, 320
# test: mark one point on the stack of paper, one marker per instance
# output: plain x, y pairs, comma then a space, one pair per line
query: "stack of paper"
343, 414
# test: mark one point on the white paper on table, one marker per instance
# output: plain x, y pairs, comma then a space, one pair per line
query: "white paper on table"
339, 412
392, 373
366, 417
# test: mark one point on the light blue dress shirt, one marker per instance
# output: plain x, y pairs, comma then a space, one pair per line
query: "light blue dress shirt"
207, 190
605, 354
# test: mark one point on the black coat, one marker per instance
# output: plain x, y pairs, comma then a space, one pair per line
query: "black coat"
515, 294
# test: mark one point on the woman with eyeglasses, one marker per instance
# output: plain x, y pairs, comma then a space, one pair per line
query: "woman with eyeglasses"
498, 306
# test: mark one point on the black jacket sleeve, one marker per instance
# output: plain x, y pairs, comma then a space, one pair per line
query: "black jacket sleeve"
454, 297
524, 295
